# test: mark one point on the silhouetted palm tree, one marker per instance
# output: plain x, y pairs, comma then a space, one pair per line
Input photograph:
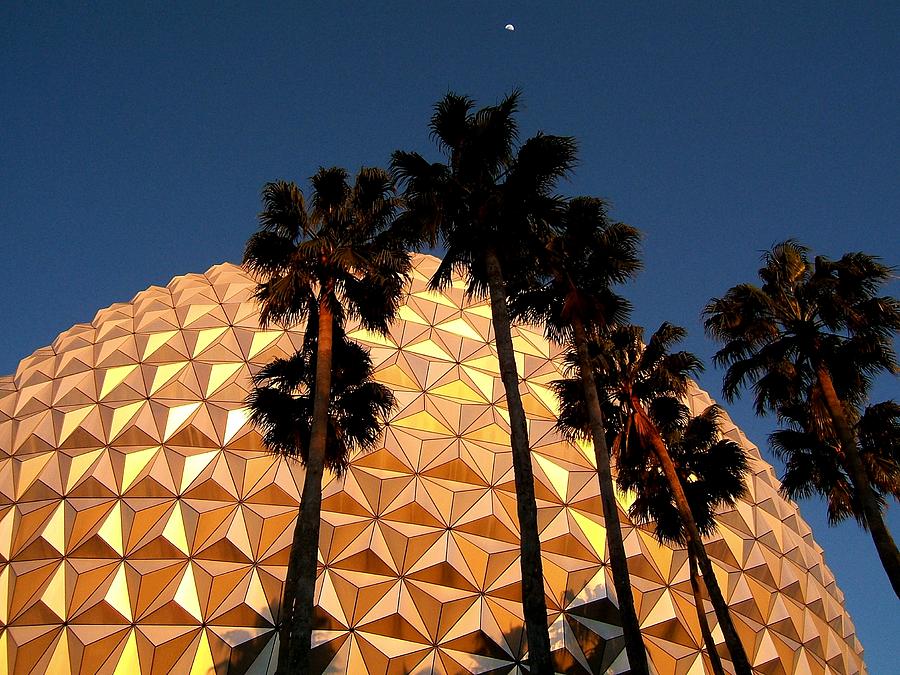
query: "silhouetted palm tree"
637, 381
712, 473
812, 464
338, 260
489, 204
813, 335
281, 403
574, 299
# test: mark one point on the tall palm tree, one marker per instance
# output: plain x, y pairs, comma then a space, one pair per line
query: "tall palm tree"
637, 381
812, 464
489, 204
814, 334
585, 257
711, 471
335, 260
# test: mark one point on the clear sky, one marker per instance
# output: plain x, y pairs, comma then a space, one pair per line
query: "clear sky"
134, 142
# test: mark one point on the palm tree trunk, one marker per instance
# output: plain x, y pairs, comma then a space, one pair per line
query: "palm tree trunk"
884, 542
618, 560
534, 604
306, 535
694, 541
288, 598
714, 658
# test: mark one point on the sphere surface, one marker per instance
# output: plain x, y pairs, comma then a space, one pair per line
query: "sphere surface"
143, 528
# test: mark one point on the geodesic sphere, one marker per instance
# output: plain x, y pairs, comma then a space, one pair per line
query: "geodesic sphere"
144, 528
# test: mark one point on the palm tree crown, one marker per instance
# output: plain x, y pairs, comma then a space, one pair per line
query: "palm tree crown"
805, 315
489, 195
281, 403
812, 464
584, 257
711, 469
340, 251
651, 374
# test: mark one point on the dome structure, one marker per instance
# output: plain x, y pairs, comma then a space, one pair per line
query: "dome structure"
144, 528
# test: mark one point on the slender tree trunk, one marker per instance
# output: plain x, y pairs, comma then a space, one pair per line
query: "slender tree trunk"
884, 542
306, 535
288, 598
534, 604
618, 560
714, 658
694, 541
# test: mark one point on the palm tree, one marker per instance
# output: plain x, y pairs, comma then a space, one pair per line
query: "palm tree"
334, 261
637, 382
584, 259
814, 335
812, 464
711, 471
489, 205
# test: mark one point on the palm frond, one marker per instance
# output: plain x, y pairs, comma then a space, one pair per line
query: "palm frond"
493, 133
284, 209
284, 300
541, 162
331, 192
268, 253
450, 121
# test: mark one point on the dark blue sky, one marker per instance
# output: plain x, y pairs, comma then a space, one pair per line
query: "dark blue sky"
134, 142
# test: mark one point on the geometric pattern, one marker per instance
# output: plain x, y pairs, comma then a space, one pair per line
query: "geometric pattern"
144, 529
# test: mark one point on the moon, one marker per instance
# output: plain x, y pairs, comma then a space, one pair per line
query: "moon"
509, 27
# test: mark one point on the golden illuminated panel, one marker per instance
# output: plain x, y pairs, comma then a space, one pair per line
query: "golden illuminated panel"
144, 529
